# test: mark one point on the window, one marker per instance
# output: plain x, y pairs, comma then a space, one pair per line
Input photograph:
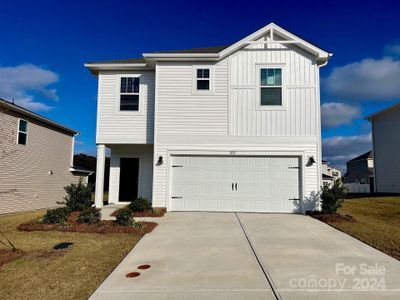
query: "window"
203, 79
129, 93
335, 173
22, 132
271, 86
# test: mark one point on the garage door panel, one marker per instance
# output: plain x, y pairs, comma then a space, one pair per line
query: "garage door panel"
264, 184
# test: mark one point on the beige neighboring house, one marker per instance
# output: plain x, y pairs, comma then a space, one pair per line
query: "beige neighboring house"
329, 173
386, 146
36, 160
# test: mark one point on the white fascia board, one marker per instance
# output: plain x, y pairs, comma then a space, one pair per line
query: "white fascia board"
321, 54
95, 68
382, 112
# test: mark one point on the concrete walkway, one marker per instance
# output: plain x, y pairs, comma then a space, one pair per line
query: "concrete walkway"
250, 256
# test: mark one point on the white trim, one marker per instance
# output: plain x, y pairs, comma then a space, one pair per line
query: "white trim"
195, 91
258, 68
118, 97
321, 54
295, 153
20, 131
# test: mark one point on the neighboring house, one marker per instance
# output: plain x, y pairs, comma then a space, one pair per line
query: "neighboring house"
231, 128
36, 159
386, 147
330, 173
360, 170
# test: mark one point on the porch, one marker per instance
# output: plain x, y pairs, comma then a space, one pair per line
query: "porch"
131, 173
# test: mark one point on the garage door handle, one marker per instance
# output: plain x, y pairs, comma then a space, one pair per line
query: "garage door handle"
294, 199
236, 186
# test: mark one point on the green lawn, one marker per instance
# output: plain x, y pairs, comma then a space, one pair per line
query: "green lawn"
73, 275
378, 222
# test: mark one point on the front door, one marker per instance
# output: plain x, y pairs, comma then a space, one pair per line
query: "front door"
128, 179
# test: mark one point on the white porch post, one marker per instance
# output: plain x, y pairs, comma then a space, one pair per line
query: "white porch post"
101, 158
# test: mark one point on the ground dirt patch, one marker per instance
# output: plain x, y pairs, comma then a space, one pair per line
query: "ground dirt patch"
8, 255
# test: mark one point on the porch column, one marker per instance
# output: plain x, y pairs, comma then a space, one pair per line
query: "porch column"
101, 159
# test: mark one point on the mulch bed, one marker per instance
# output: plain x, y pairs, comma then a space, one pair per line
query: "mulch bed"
331, 217
143, 214
8, 255
103, 227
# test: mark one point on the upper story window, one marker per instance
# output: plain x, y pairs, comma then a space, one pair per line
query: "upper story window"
22, 132
203, 79
129, 93
271, 86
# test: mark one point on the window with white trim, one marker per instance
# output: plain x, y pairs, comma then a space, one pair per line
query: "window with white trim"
271, 86
22, 132
129, 93
203, 79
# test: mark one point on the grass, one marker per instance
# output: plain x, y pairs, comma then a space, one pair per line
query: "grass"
378, 222
74, 275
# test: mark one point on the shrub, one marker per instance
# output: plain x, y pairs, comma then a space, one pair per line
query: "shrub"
332, 197
54, 216
78, 196
140, 204
124, 217
90, 215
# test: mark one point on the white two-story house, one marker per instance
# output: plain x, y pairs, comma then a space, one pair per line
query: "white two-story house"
232, 128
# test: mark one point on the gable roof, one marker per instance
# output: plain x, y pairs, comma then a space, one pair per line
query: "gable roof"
19, 109
366, 155
215, 53
383, 112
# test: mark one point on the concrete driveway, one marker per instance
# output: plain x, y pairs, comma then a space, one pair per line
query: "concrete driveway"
251, 256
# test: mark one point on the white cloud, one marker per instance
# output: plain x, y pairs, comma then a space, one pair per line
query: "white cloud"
369, 79
393, 49
339, 149
334, 114
19, 82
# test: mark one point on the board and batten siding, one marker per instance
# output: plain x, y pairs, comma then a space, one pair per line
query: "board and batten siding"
124, 127
25, 182
145, 155
386, 143
228, 119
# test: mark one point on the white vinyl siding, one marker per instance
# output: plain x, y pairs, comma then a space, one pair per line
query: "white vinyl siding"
229, 119
299, 93
116, 126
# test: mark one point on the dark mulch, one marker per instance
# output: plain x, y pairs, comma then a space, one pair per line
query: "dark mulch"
156, 213
8, 255
331, 217
101, 227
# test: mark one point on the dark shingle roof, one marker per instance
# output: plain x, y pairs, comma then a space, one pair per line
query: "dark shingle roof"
215, 49
21, 110
362, 156
139, 60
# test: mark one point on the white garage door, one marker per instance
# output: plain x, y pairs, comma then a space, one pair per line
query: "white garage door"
249, 184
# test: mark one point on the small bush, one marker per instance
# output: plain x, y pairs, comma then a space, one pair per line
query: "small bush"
333, 197
78, 196
124, 217
140, 204
90, 215
55, 216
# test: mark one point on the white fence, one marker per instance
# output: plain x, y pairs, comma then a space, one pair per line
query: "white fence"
357, 187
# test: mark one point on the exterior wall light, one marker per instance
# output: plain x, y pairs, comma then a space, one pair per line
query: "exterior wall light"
160, 161
310, 161
50, 172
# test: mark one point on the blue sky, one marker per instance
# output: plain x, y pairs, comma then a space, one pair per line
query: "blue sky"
45, 43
